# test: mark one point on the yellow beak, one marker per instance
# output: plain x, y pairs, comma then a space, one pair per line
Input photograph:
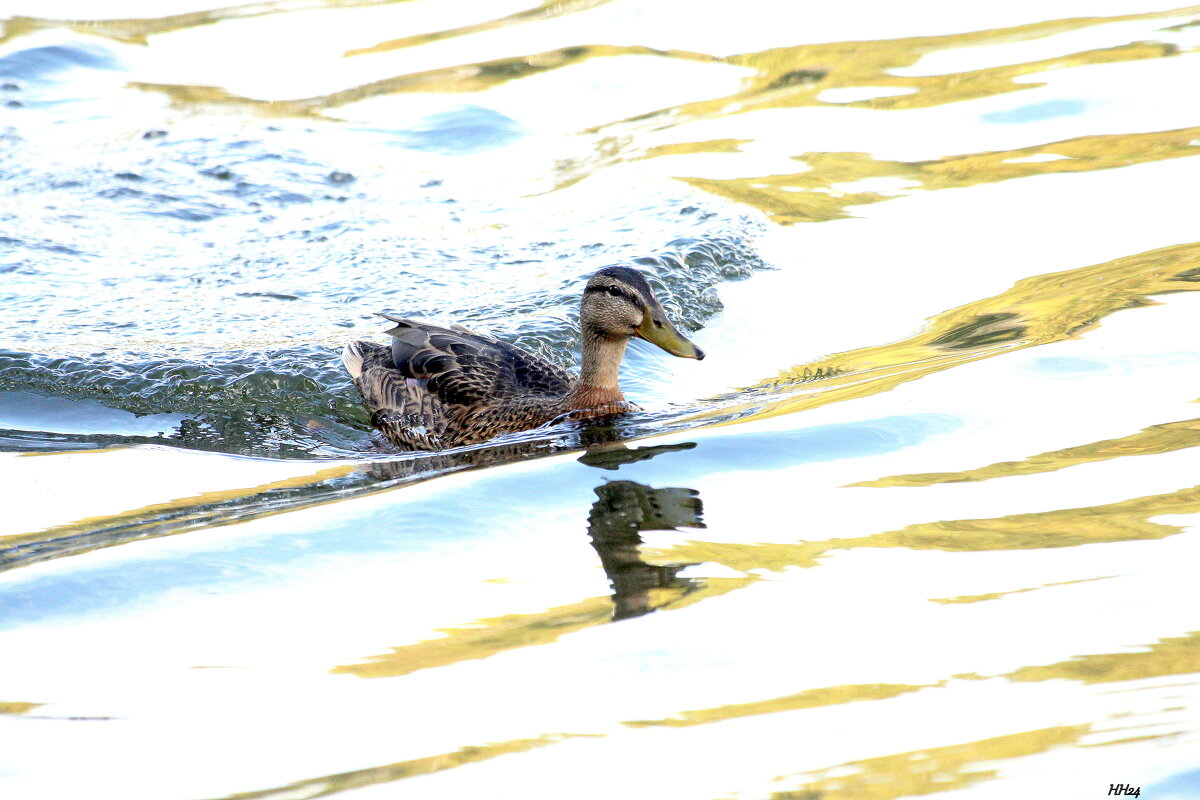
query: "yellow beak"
657, 329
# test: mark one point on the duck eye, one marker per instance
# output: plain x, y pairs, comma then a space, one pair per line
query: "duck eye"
614, 291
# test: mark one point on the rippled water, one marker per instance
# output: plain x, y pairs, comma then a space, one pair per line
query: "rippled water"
922, 523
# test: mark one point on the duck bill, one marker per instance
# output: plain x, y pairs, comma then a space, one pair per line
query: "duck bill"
658, 330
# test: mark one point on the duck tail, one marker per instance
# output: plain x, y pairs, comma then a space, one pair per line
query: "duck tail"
352, 358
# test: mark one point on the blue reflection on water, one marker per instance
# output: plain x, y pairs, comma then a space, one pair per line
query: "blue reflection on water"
775, 450
1036, 112
460, 131
36, 63
1066, 366
1184, 786
24, 411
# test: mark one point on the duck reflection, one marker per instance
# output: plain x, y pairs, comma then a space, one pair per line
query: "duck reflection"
623, 509
602, 443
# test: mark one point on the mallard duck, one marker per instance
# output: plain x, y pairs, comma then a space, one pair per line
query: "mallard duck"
439, 387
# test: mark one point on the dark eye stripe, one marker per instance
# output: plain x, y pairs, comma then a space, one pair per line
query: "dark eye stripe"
637, 301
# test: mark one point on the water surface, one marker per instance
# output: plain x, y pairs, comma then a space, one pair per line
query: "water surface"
923, 522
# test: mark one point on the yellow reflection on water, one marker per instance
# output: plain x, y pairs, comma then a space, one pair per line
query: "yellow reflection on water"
813, 195
1037, 310
332, 784
1127, 520
543, 11
813, 698
784, 77
483, 639
872, 64
1165, 438
456, 79
938, 769
1174, 656
489, 637
979, 598
137, 30
148, 519
785, 74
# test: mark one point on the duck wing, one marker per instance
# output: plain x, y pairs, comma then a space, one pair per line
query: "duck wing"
462, 368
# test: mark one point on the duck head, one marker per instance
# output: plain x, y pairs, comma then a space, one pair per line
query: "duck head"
618, 303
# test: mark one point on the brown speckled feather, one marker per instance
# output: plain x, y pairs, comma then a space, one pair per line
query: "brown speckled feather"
407, 413
464, 368
444, 387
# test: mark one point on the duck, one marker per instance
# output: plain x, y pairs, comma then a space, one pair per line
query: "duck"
437, 387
